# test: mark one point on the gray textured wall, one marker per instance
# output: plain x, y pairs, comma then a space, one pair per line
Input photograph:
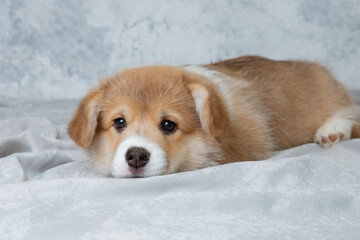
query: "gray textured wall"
57, 49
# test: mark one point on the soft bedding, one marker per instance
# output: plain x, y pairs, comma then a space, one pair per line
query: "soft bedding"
48, 190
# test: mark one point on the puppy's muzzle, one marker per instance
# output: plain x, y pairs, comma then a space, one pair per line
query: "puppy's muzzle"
137, 157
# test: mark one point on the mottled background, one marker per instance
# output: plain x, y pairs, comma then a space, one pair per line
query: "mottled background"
57, 49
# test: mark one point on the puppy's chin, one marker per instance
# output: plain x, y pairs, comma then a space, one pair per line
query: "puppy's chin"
136, 173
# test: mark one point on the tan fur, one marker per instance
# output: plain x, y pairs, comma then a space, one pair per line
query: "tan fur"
271, 105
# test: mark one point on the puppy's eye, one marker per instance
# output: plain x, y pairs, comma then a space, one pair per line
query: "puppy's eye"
168, 126
119, 124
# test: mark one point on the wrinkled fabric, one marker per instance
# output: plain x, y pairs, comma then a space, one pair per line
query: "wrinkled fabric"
48, 190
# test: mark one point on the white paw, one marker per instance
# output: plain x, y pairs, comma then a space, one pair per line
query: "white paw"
333, 131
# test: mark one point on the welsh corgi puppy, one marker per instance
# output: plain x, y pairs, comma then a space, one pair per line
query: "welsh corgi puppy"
161, 119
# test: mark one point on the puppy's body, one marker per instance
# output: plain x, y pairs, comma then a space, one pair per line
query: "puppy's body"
290, 100
235, 110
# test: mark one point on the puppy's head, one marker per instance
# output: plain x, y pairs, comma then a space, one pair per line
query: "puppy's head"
150, 121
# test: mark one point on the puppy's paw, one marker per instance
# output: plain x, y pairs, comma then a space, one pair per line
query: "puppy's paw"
333, 131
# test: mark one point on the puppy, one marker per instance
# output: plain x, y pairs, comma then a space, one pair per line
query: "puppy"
159, 120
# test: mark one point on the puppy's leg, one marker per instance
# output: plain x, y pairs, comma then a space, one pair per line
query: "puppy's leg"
340, 127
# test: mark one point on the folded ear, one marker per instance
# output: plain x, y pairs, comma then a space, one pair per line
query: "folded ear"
85, 120
210, 108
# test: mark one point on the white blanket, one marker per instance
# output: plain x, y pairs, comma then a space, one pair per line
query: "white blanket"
48, 190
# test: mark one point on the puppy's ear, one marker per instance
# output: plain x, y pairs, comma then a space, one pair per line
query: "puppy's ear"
85, 120
210, 108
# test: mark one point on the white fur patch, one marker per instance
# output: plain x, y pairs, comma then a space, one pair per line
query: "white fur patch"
155, 166
337, 127
224, 82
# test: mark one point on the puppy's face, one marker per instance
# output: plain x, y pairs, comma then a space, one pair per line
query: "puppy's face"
148, 121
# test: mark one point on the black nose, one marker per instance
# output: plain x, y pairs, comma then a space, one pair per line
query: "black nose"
137, 157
